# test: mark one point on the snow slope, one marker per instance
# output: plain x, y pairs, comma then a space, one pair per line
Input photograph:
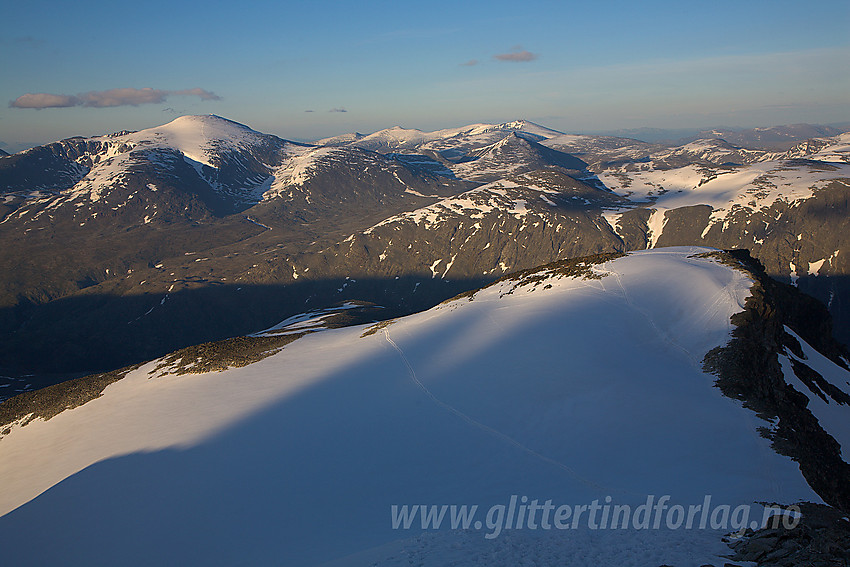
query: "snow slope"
567, 389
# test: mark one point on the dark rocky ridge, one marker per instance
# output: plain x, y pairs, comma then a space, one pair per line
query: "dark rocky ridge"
748, 369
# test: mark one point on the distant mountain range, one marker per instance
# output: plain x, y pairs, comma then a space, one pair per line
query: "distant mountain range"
122, 243
771, 138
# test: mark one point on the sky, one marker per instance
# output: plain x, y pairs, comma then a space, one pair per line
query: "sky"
306, 70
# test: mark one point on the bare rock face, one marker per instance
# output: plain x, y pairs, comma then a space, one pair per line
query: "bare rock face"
749, 370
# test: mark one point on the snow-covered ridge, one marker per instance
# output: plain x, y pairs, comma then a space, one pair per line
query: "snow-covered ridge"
571, 389
836, 149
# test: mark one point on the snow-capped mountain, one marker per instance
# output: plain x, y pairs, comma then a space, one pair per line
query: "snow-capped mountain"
85, 212
464, 139
298, 450
706, 191
836, 149
341, 175
511, 155
228, 156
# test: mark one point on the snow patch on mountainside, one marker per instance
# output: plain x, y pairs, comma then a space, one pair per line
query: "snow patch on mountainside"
310, 321
300, 166
474, 204
754, 187
833, 415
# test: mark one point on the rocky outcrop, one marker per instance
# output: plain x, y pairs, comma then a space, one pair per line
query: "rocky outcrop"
748, 369
821, 538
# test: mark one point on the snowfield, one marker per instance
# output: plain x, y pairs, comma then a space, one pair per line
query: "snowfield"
566, 389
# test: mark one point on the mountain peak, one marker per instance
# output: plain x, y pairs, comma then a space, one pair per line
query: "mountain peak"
196, 136
517, 124
522, 125
205, 121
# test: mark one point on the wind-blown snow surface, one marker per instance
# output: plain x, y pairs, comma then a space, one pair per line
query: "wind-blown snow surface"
587, 389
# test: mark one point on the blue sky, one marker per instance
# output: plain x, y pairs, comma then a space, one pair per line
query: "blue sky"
574, 66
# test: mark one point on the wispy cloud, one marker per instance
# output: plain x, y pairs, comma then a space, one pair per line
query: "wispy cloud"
470, 63
337, 110
516, 55
106, 99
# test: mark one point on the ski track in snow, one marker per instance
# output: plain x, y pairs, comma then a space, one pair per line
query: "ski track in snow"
487, 429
